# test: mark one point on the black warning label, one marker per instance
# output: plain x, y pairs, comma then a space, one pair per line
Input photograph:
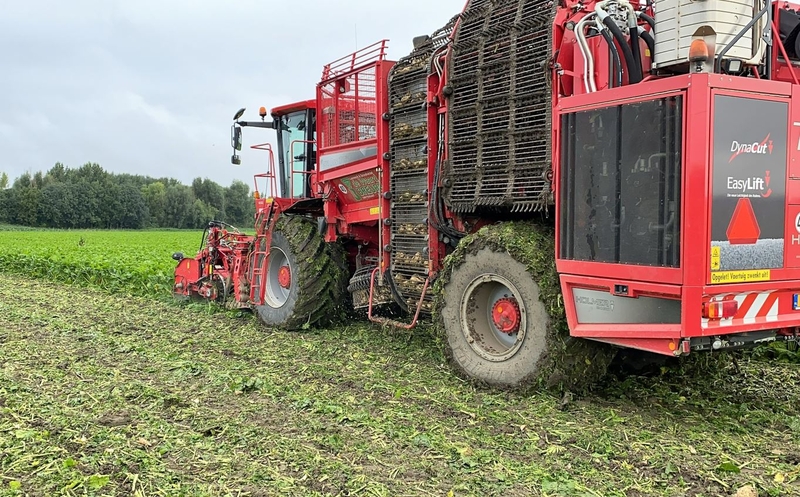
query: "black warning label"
749, 183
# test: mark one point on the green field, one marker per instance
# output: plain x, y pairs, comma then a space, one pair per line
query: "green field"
104, 394
133, 262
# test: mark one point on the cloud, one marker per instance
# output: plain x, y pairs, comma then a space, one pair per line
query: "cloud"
150, 87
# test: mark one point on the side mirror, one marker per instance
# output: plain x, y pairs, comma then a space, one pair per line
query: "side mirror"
236, 143
236, 137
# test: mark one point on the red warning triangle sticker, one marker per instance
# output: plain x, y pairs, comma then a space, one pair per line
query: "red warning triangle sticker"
743, 229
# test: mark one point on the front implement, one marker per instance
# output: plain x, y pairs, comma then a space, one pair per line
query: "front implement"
217, 271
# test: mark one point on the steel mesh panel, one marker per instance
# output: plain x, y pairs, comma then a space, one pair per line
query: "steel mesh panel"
409, 246
409, 159
349, 108
410, 184
326, 123
408, 92
408, 125
499, 141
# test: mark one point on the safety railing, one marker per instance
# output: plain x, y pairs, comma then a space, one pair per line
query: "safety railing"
270, 176
368, 55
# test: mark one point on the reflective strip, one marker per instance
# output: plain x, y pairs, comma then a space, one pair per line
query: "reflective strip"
753, 308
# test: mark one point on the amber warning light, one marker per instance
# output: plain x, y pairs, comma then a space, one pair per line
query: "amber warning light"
262, 112
725, 309
698, 51
698, 55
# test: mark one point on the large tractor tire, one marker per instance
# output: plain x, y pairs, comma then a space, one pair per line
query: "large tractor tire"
306, 278
500, 310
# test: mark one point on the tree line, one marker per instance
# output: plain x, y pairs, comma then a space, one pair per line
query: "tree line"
91, 197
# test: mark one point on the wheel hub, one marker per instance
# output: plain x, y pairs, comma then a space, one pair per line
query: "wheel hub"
506, 315
285, 277
493, 318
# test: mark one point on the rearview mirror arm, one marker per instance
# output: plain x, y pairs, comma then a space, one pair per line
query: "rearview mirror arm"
257, 124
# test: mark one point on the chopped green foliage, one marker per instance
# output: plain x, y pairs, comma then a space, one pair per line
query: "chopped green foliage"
113, 395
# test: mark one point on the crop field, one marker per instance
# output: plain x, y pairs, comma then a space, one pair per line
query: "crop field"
132, 262
107, 393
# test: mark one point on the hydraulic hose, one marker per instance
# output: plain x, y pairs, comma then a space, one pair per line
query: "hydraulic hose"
648, 38
630, 62
646, 18
633, 30
617, 65
203, 239
588, 70
637, 53
764, 24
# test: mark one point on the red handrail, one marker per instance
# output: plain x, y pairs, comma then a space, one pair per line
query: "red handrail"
392, 322
367, 55
270, 174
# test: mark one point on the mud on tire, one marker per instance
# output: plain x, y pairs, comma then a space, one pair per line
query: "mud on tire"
317, 291
502, 265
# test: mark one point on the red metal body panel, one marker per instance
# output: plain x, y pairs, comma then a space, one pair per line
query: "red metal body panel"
437, 109
637, 289
353, 141
361, 212
293, 107
764, 305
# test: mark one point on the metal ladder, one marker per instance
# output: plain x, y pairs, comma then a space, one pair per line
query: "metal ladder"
264, 226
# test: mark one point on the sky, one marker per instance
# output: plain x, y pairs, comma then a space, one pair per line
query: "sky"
150, 87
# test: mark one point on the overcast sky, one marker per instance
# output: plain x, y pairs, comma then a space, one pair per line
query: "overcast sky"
150, 87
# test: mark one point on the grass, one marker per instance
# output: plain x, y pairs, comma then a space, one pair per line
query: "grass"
109, 395
132, 262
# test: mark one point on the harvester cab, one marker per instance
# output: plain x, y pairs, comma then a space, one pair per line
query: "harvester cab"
296, 134
297, 150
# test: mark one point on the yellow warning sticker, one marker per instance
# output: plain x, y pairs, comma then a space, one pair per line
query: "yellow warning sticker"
740, 276
375, 211
716, 253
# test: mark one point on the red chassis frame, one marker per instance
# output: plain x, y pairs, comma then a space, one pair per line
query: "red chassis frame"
691, 282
